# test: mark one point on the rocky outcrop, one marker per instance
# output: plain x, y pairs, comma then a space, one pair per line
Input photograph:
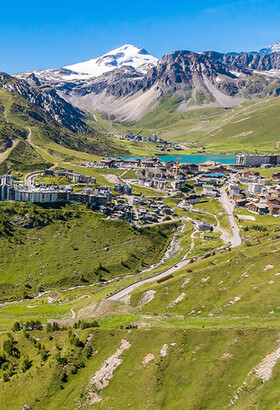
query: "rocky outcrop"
194, 79
248, 61
47, 99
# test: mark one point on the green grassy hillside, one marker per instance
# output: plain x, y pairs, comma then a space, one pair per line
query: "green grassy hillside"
200, 369
206, 338
42, 139
250, 127
45, 249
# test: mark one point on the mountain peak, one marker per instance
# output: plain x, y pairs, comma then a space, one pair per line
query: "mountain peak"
275, 48
127, 54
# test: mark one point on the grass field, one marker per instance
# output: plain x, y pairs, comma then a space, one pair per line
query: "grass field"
201, 369
203, 334
251, 127
69, 246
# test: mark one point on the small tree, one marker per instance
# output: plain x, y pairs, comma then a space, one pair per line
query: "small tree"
44, 354
55, 326
16, 327
26, 363
88, 351
49, 328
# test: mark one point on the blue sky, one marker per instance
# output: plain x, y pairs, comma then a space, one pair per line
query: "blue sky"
40, 35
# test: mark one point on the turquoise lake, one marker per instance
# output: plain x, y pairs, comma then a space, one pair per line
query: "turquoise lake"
196, 159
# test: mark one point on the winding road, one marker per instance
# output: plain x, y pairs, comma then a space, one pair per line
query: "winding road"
234, 241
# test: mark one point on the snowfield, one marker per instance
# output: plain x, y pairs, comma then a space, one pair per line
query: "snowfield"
125, 55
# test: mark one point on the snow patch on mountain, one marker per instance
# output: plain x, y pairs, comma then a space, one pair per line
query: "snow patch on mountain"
128, 54
275, 48
270, 49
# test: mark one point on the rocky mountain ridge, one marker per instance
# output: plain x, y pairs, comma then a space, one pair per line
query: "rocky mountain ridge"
197, 79
47, 99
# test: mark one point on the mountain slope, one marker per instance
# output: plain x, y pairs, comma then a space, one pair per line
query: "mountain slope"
275, 48
116, 84
125, 56
197, 80
19, 118
47, 99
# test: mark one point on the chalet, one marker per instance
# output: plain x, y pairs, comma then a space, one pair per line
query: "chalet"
204, 227
166, 210
234, 190
192, 168
258, 208
192, 199
209, 190
178, 183
241, 202
107, 162
276, 175
273, 202
255, 188
149, 162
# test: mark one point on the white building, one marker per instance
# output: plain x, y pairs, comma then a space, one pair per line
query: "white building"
252, 160
255, 188
233, 190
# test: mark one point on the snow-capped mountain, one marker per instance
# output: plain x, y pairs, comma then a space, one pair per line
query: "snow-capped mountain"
270, 49
128, 82
126, 55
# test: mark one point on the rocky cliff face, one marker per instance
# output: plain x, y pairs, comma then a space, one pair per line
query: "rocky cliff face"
248, 61
47, 99
184, 69
196, 79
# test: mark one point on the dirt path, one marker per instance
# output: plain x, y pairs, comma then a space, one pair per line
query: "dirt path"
4, 155
29, 137
192, 244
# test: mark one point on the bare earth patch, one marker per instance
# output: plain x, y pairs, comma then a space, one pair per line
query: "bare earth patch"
179, 299
268, 267
226, 356
101, 378
148, 358
186, 281
232, 302
265, 367
146, 298
248, 217
242, 134
163, 350
126, 299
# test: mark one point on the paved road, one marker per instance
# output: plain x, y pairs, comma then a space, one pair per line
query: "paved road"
228, 207
29, 178
234, 240
134, 286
